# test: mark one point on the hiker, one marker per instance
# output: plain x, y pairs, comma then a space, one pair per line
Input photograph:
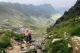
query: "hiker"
28, 36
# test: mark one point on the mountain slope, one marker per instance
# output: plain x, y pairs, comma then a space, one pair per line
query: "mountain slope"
12, 14
65, 28
69, 19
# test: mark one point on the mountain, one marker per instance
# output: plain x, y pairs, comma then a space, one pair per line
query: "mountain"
14, 14
61, 10
53, 19
64, 32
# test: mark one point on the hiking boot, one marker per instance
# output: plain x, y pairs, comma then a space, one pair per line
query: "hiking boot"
28, 44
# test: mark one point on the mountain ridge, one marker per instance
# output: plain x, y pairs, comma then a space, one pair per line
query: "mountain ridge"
15, 13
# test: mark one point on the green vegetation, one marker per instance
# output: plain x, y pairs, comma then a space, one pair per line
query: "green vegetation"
75, 31
32, 51
2, 50
71, 26
60, 46
4, 42
16, 36
6, 37
15, 28
65, 27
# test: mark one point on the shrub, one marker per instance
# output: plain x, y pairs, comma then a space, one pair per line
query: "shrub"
12, 34
15, 28
2, 50
75, 31
4, 42
32, 51
19, 37
60, 46
5, 39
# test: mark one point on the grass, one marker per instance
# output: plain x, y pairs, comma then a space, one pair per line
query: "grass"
2, 50
14, 35
5, 39
71, 25
4, 42
32, 51
75, 31
60, 46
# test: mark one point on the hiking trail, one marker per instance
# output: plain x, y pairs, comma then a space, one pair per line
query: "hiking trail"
21, 47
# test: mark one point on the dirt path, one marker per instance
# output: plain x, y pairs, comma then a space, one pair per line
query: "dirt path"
35, 45
16, 49
76, 44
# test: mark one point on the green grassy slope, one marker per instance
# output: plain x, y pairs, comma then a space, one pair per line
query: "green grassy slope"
68, 22
65, 27
5, 39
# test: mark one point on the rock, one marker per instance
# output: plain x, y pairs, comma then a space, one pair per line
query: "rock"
10, 48
43, 48
32, 47
39, 46
39, 51
24, 48
23, 45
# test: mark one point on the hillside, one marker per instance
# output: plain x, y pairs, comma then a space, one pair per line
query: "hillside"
12, 14
63, 31
68, 20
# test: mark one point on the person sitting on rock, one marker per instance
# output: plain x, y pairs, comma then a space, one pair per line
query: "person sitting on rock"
28, 36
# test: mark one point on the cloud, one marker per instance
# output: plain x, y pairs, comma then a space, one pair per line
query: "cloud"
62, 3
55, 3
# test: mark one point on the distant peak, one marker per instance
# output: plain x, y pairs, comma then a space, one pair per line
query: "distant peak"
78, 0
46, 4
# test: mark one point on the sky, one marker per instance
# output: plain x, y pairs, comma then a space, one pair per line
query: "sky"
54, 3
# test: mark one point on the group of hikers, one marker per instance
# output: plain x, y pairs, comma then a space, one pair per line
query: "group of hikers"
27, 35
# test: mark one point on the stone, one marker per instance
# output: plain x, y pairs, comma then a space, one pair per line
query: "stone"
10, 48
32, 47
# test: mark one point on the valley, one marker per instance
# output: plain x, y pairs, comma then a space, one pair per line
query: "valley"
51, 31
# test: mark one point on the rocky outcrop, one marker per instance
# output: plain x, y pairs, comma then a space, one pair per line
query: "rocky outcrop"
73, 12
